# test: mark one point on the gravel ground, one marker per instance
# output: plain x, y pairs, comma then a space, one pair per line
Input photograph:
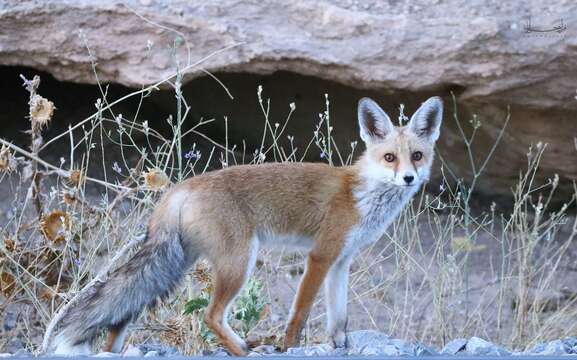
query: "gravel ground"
364, 343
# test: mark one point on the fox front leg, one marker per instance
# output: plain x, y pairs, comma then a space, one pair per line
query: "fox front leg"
336, 286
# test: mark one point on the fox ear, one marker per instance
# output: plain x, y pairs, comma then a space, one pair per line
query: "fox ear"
373, 121
426, 122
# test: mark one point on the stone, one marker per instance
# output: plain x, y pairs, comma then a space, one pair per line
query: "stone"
357, 340
15, 345
485, 56
105, 354
481, 347
22, 353
424, 350
152, 354
264, 349
160, 349
404, 347
570, 344
131, 351
381, 350
219, 352
537, 348
453, 347
554, 348
312, 350
5, 355
318, 350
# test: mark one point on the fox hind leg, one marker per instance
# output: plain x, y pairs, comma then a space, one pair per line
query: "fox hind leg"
230, 275
315, 272
116, 336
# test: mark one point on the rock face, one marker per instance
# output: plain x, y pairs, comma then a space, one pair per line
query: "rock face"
380, 45
491, 54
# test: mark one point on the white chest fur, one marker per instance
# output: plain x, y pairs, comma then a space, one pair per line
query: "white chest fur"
378, 204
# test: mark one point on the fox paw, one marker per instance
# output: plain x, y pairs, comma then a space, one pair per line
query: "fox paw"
339, 340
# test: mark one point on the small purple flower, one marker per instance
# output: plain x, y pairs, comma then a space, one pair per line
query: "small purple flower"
442, 187
323, 154
116, 168
78, 262
192, 155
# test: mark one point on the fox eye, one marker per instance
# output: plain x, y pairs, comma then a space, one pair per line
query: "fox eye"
389, 157
417, 155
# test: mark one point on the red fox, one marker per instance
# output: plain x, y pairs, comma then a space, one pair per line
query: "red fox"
226, 215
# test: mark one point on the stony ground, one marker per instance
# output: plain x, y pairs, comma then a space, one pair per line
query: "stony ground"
366, 343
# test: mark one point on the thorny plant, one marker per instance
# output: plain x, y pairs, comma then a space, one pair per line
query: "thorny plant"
415, 283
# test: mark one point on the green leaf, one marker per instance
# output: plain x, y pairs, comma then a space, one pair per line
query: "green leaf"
195, 304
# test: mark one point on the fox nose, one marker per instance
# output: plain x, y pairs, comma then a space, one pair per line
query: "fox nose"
408, 179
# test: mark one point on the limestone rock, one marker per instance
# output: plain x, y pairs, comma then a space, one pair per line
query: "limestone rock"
484, 52
385, 45
480, 347
453, 347
132, 351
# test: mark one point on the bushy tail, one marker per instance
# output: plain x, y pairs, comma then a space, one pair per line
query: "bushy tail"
152, 273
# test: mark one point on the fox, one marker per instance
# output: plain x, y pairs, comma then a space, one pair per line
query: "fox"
226, 215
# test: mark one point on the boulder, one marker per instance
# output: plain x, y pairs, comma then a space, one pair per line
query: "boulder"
480, 347
160, 349
312, 350
105, 354
453, 347
132, 351
552, 348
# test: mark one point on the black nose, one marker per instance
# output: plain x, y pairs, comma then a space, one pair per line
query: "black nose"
409, 179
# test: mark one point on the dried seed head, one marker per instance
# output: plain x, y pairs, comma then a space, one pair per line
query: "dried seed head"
41, 111
47, 295
50, 293
54, 226
76, 178
69, 198
202, 274
7, 160
11, 246
155, 179
7, 283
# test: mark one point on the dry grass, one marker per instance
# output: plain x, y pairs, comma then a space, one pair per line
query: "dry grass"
444, 270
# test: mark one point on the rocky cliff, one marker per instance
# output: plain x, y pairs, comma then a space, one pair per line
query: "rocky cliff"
491, 54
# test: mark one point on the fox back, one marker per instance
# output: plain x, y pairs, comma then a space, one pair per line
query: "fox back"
225, 216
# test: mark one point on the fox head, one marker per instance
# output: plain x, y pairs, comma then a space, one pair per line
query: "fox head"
401, 155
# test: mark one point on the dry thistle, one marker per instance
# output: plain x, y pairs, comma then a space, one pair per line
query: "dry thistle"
41, 111
7, 160
11, 246
7, 284
76, 178
175, 331
201, 273
155, 179
54, 226
69, 198
49, 293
